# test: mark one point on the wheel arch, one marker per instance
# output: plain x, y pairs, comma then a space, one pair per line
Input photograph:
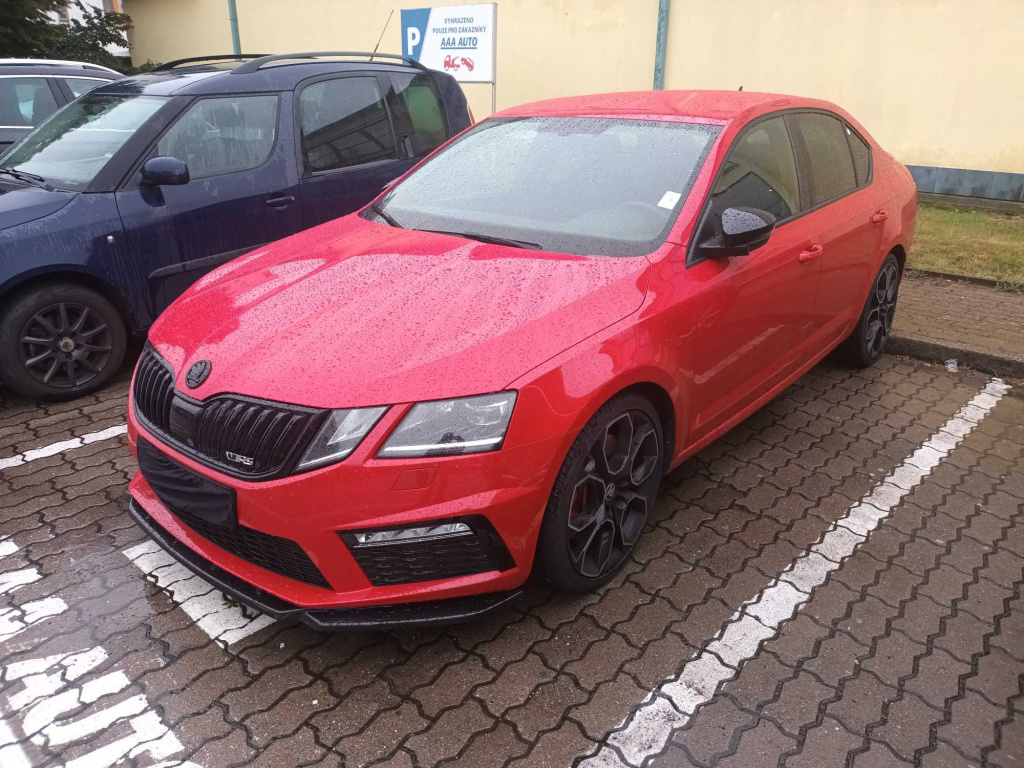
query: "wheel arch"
28, 280
658, 397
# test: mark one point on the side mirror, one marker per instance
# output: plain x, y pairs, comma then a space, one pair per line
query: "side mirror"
743, 230
164, 171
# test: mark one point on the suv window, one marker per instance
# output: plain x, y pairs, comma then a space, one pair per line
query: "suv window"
861, 156
759, 172
25, 101
223, 135
80, 85
344, 122
826, 164
418, 114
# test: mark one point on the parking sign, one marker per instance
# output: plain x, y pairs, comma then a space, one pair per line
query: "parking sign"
457, 39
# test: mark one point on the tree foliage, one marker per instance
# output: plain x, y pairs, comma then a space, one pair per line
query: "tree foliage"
26, 31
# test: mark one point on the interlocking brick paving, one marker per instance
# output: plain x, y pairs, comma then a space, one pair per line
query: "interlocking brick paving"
909, 651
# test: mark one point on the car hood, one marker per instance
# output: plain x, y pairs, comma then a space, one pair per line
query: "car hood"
20, 204
354, 313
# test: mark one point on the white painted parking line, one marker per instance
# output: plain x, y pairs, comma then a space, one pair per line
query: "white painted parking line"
64, 445
223, 621
673, 704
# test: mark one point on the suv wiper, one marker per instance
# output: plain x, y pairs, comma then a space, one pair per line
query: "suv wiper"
487, 238
386, 216
29, 178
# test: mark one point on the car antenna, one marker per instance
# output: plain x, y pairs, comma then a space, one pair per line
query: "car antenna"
741, 87
382, 32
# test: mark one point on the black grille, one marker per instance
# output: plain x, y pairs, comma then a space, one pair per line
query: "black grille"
443, 557
264, 439
282, 556
154, 390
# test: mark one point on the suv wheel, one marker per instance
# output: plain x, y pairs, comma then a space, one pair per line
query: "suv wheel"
59, 341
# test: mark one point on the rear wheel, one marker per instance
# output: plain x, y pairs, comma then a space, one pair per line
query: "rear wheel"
606, 487
869, 338
59, 341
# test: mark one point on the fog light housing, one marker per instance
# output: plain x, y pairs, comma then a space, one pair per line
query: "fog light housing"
374, 538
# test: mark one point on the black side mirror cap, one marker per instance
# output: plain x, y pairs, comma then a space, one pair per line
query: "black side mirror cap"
743, 230
164, 171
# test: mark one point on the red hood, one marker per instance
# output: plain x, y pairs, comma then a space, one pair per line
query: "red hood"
354, 313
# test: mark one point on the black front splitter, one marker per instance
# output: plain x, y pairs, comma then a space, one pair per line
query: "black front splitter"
431, 613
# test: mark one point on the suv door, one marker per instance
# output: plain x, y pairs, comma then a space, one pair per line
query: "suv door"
753, 311
841, 214
242, 193
25, 101
347, 150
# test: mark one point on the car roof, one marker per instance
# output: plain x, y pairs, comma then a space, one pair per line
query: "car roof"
715, 106
215, 77
56, 67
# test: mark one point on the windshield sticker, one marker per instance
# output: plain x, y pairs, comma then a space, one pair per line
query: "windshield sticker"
669, 200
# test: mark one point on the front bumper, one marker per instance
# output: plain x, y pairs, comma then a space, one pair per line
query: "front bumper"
402, 615
317, 510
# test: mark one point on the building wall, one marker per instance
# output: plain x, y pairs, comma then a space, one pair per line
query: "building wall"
937, 82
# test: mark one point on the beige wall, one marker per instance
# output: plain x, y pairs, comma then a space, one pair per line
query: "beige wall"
937, 82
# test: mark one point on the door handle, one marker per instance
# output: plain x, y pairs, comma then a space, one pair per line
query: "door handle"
810, 254
280, 202
878, 217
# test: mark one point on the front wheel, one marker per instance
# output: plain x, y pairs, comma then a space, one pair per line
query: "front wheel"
871, 334
59, 341
606, 487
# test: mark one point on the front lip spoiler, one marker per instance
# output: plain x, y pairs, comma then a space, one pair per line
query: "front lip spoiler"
456, 610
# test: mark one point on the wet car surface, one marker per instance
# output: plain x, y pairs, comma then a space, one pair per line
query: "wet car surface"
836, 581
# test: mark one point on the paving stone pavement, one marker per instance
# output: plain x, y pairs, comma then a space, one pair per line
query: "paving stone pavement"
909, 651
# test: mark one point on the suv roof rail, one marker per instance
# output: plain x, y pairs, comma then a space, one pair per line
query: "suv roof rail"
219, 57
56, 62
255, 64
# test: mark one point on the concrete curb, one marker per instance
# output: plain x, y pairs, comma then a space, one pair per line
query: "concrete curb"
988, 282
933, 352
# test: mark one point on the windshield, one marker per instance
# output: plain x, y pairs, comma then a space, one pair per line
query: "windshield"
70, 148
577, 185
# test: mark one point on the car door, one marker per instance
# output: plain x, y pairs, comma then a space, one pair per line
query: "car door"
347, 146
753, 311
843, 214
242, 193
25, 101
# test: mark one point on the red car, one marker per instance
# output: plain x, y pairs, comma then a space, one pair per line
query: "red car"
397, 417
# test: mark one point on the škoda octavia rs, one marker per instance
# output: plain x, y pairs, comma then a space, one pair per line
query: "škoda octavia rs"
396, 417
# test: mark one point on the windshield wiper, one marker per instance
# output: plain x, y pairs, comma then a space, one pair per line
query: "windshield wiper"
29, 178
386, 216
487, 238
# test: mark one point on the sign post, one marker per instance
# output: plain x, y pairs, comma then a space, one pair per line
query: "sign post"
458, 39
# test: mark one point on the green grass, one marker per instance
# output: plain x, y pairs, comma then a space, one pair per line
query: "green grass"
973, 243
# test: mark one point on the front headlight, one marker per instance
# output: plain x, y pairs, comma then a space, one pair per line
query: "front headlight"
452, 427
339, 436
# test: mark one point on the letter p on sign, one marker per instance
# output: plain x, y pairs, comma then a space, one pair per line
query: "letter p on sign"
412, 39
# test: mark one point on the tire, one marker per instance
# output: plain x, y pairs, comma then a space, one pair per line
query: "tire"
600, 502
59, 341
871, 334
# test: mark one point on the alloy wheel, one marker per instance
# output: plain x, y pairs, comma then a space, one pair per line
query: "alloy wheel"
65, 345
882, 309
613, 492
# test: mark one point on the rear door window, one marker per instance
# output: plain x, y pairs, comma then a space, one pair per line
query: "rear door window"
25, 101
759, 172
344, 122
80, 85
823, 156
419, 115
223, 135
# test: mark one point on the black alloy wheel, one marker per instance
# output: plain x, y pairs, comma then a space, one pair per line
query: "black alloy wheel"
59, 341
881, 309
869, 337
603, 495
65, 345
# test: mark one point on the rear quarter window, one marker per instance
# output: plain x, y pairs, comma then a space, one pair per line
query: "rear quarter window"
861, 156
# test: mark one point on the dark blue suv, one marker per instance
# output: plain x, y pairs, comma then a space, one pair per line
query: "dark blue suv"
122, 199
